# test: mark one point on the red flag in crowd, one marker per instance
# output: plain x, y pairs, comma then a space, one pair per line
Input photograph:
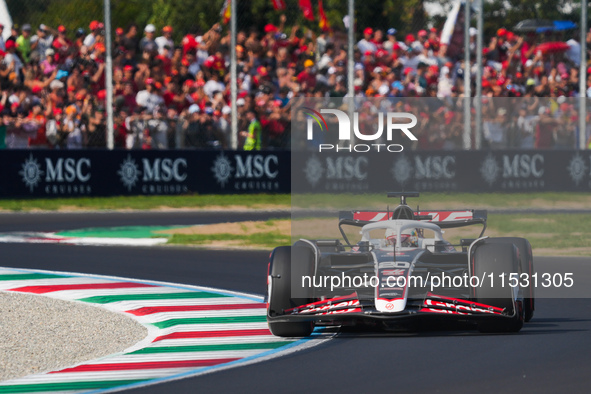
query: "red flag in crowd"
226, 12
279, 5
306, 7
324, 25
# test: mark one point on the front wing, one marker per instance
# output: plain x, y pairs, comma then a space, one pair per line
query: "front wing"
340, 310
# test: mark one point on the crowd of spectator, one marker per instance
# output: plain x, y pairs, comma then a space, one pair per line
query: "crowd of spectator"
171, 94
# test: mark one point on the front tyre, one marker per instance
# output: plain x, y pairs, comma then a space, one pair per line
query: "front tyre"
526, 263
497, 259
279, 291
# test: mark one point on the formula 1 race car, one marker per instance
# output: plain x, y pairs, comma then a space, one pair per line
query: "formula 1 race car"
401, 270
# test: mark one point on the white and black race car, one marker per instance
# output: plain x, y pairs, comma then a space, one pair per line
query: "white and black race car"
401, 270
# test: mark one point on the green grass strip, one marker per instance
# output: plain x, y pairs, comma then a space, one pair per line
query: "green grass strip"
212, 348
557, 231
36, 388
158, 296
211, 320
451, 201
31, 276
148, 202
267, 239
312, 200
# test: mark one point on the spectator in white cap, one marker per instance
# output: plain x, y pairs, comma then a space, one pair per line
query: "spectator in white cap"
147, 42
194, 108
48, 65
224, 123
44, 38
473, 33
192, 128
574, 51
159, 128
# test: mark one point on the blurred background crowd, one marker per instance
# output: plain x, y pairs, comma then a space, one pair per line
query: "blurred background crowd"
172, 88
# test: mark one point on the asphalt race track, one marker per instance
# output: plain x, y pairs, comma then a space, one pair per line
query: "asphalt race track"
550, 354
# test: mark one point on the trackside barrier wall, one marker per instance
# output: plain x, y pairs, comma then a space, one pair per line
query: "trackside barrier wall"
42, 173
82, 173
442, 171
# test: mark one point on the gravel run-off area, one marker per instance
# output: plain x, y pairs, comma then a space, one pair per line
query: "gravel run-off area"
39, 334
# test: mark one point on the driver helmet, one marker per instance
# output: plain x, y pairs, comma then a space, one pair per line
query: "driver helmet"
390, 236
408, 238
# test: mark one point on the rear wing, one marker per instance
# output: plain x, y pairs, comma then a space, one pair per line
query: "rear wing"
444, 219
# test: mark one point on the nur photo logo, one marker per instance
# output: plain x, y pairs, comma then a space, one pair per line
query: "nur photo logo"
387, 123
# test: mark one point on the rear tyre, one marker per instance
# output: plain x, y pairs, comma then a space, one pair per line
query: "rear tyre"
497, 259
527, 267
279, 292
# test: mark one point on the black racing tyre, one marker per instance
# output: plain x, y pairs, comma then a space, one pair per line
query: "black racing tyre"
497, 259
279, 293
526, 262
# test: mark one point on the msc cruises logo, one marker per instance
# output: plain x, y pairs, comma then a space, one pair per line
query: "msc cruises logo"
57, 175
158, 175
222, 169
247, 171
577, 169
129, 172
31, 172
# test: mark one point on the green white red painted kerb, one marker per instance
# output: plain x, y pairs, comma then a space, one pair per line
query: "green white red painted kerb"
121, 236
191, 330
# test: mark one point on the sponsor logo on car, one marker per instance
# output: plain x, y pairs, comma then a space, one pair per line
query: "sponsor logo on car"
327, 308
455, 308
394, 272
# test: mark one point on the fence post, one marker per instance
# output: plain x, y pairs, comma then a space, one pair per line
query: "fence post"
467, 90
109, 75
351, 44
233, 76
583, 79
479, 37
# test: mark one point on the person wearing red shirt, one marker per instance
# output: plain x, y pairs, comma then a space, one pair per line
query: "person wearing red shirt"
307, 78
62, 45
433, 40
545, 129
169, 92
275, 125
527, 48
181, 99
164, 58
36, 116
378, 39
129, 94
189, 44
